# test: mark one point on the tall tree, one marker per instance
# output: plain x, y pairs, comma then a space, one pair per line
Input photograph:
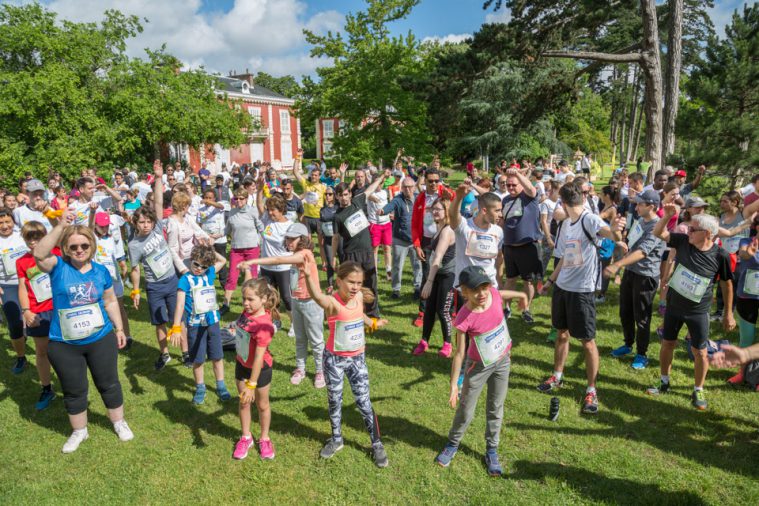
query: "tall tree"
674, 61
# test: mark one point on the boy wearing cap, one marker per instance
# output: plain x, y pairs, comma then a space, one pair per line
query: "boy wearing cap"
641, 278
34, 209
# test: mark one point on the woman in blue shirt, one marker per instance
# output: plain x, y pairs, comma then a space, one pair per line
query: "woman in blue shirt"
86, 328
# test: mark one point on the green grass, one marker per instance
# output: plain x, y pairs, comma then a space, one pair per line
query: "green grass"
637, 450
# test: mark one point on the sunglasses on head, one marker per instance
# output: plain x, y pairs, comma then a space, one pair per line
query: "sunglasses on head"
76, 247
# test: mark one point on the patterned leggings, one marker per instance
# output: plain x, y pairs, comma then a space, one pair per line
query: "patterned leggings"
354, 368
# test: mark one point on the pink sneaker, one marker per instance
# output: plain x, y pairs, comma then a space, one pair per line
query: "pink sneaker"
266, 449
446, 350
319, 381
241, 448
297, 377
420, 348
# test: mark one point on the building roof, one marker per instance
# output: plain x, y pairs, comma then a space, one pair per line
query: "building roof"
239, 88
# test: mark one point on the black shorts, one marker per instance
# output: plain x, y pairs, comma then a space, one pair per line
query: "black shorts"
574, 311
243, 373
748, 309
523, 261
43, 329
697, 324
312, 224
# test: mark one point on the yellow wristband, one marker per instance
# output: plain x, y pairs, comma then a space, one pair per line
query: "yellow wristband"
374, 324
52, 214
251, 384
134, 292
176, 329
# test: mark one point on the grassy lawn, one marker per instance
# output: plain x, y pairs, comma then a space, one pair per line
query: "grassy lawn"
638, 449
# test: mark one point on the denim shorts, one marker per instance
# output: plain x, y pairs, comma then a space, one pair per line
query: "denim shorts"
204, 343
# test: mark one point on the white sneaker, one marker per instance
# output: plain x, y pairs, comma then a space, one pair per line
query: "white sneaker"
291, 332
123, 430
75, 440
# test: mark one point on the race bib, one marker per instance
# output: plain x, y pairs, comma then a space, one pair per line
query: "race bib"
242, 342
732, 244
636, 232
688, 284
494, 344
751, 282
349, 336
356, 222
108, 263
515, 210
212, 227
294, 273
482, 245
80, 322
572, 254
9, 260
327, 228
160, 262
312, 198
203, 300
41, 287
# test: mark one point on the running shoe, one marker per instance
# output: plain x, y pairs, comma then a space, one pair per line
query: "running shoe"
446, 350
379, 454
419, 320
527, 317
297, 376
46, 396
242, 447
163, 359
507, 311
698, 400
200, 394
639, 362
75, 439
331, 448
716, 316
277, 325
186, 360
737, 379
660, 332
19, 365
600, 299
590, 404
445, 457
492, 463
319, 381
265, 449
123, 430
662, 309
551, 337
222, 392
550, 385
291, 332
420, 348
395, 295
224, 309
389, 276
621, 351
661, 388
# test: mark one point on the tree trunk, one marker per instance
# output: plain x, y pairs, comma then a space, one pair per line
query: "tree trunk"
622, 122
651, 66
633, 113
638, 130
674, 62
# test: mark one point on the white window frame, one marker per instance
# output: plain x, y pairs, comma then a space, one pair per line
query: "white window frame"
326, 147
328, 127
284, 121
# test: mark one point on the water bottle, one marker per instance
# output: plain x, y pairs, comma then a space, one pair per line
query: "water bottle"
553, 413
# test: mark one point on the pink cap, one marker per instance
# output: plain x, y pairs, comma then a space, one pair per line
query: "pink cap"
102, 220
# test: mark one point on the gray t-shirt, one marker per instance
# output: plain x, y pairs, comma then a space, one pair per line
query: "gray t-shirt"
581, 267
243, 226
152, 252
641, 237
521, 219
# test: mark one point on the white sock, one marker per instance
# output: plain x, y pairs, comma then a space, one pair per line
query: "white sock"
697, 389
590, 390
665, 378
558, 375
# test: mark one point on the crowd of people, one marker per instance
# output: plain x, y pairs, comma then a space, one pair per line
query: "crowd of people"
69, 253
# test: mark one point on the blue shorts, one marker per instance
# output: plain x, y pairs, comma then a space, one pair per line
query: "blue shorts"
204, 343
12, 311
43, 329
162, 300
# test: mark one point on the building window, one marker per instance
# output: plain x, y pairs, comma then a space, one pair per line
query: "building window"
341, 125
327, 148
329, 128
284, 121
255, 116
286, 146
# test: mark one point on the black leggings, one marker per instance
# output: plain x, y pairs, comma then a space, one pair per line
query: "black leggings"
221, 249
71, 363
281, 281
440, 303
327, 255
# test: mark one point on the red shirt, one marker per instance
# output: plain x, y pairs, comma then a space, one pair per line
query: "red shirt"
260, 330
26, 267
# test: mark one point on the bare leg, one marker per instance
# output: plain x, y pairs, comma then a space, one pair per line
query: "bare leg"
19, 346
124, 318
529, 290
218, 370
701, 366
79, 420
160, 334
116, 414
591, 360
264, 410
197, 373
244, 410
561, 350
43, 364
666, 354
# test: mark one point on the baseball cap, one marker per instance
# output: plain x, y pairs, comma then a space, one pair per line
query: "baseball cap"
680, 173
34, 185
296, 230
102, 220
695, 202
473, 276
649, 196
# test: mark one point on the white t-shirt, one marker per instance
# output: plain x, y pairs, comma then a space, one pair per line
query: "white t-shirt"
273, 241
12, 248
211, 220
429, 229
179, 175
115, 231
547, 208
372, 208
195, 204
143, 189
476, 246
82, 209
580, 267
24, 214
562, 176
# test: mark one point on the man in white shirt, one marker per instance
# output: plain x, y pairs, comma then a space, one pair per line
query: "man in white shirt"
33, 210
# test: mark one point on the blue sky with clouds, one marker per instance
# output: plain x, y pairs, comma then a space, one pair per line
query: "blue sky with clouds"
267, 35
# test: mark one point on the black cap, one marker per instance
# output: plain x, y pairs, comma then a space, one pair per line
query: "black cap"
473, 276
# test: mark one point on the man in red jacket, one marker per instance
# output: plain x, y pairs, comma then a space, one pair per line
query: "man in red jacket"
423, 227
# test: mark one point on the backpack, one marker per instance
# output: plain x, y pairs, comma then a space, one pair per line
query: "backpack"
751, 375
712, 347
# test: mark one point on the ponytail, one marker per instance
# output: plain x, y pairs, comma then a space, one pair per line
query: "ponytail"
267, 292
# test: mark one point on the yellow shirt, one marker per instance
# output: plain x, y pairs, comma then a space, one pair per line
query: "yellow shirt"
313, 197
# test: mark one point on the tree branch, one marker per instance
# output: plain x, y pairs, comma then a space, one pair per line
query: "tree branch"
592, 55
598, 64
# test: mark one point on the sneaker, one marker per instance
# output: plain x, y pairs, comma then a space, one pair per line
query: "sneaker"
395, 295
297, 376
123, 430
380, 455
200, 394
737, 379
291, 332
661, 388
446, 350
419, 320
492, 463
389, 276
242, 447
590, 404
662, 309
319, 381
716, 316
600, 299
46, 396
19, 366
698, 400
551, 337
420, 348
445, 457
527, 317
660, 332
222, 392
639, 362
74, 440
265, 449
550, 385
186, 360
224, 309
331, 448
507, 311
163, 359
621, 351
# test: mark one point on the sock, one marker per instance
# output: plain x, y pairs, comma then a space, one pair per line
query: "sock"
220, 384
665, 378
558, 375
47, 388
200, 386
590, 390
697, 389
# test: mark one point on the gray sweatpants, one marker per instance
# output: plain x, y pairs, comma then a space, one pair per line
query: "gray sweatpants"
475, 377
308, 322
401, 249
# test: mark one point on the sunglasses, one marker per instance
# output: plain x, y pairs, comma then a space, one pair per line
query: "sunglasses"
433, 181
76, 247
329, 193
511, 185
199, 266
694, 230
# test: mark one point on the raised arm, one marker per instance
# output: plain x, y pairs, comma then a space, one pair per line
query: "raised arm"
660, 230
377, 182
158, 189
527, 187
43, 255
298, 167
325, 301
454, 212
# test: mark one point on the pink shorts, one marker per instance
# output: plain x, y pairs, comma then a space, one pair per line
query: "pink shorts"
381, 234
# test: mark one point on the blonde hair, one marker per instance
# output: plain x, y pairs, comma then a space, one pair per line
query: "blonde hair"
180, 201
77, 230
33, 231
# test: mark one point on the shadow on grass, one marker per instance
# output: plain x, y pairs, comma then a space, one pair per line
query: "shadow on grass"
600, 488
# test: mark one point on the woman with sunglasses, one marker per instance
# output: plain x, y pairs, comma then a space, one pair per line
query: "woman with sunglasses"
86, 328
326, 215
242, 228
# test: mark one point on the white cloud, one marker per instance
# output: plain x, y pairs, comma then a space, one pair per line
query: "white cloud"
502, 15
262, 35
451, 37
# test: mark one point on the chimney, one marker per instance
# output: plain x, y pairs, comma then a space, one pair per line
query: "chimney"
247, 76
